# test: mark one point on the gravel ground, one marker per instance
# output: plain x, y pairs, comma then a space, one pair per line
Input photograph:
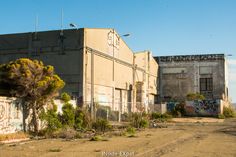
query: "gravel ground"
184, 138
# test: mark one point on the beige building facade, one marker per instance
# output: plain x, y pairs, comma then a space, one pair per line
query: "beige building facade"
96, 64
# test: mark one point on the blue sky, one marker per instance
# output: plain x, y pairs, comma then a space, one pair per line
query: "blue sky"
166, 27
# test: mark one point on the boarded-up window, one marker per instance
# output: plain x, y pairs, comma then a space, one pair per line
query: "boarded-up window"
205, 70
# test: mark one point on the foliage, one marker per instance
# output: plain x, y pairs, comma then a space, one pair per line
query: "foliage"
228, 112
96, 138
160, 117
195, 96
51, 119
155, 115
87, 121
101, 125
68, 115
139, 121
79, 119
179, 110
143, 123
131, 131
221, 116
32, 81
65, 97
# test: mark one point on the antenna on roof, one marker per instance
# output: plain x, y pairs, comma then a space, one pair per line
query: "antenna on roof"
36, 26
62, 18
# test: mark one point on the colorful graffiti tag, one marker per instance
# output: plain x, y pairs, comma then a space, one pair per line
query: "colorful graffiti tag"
171, 106
202, 107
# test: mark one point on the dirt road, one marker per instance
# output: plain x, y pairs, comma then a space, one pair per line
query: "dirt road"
215, 139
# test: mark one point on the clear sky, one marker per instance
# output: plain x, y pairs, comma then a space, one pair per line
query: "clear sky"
166, 27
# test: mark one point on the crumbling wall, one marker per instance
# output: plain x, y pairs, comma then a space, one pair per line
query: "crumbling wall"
11, 115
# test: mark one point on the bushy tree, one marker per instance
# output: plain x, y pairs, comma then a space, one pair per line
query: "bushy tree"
32, 81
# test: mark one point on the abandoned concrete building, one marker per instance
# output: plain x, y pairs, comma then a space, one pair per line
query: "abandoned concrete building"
181, 75
96, 64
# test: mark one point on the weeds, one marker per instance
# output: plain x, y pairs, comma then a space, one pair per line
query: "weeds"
55, 150
130, 132
221, 116
101, 125
98, 138
229, 112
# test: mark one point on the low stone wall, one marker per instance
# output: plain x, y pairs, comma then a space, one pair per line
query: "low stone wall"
11, 115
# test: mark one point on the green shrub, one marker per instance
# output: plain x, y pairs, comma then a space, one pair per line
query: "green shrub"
51, 119
228, 112
195, 96
101, 125
221, 116
68, 115
96, 138
158, 117
155, 115
130, 130
79, 119
138, 121
144, 123
65, 97
166, 116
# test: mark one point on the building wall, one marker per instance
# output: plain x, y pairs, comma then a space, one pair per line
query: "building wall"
11, 115
180, 75
146, 73
96, 64
65, 54
108, 69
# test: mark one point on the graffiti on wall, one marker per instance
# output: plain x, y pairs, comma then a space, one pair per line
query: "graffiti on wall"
171, 106
11, 117
202, 107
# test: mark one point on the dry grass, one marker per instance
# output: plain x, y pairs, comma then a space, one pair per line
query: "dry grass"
13, 136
